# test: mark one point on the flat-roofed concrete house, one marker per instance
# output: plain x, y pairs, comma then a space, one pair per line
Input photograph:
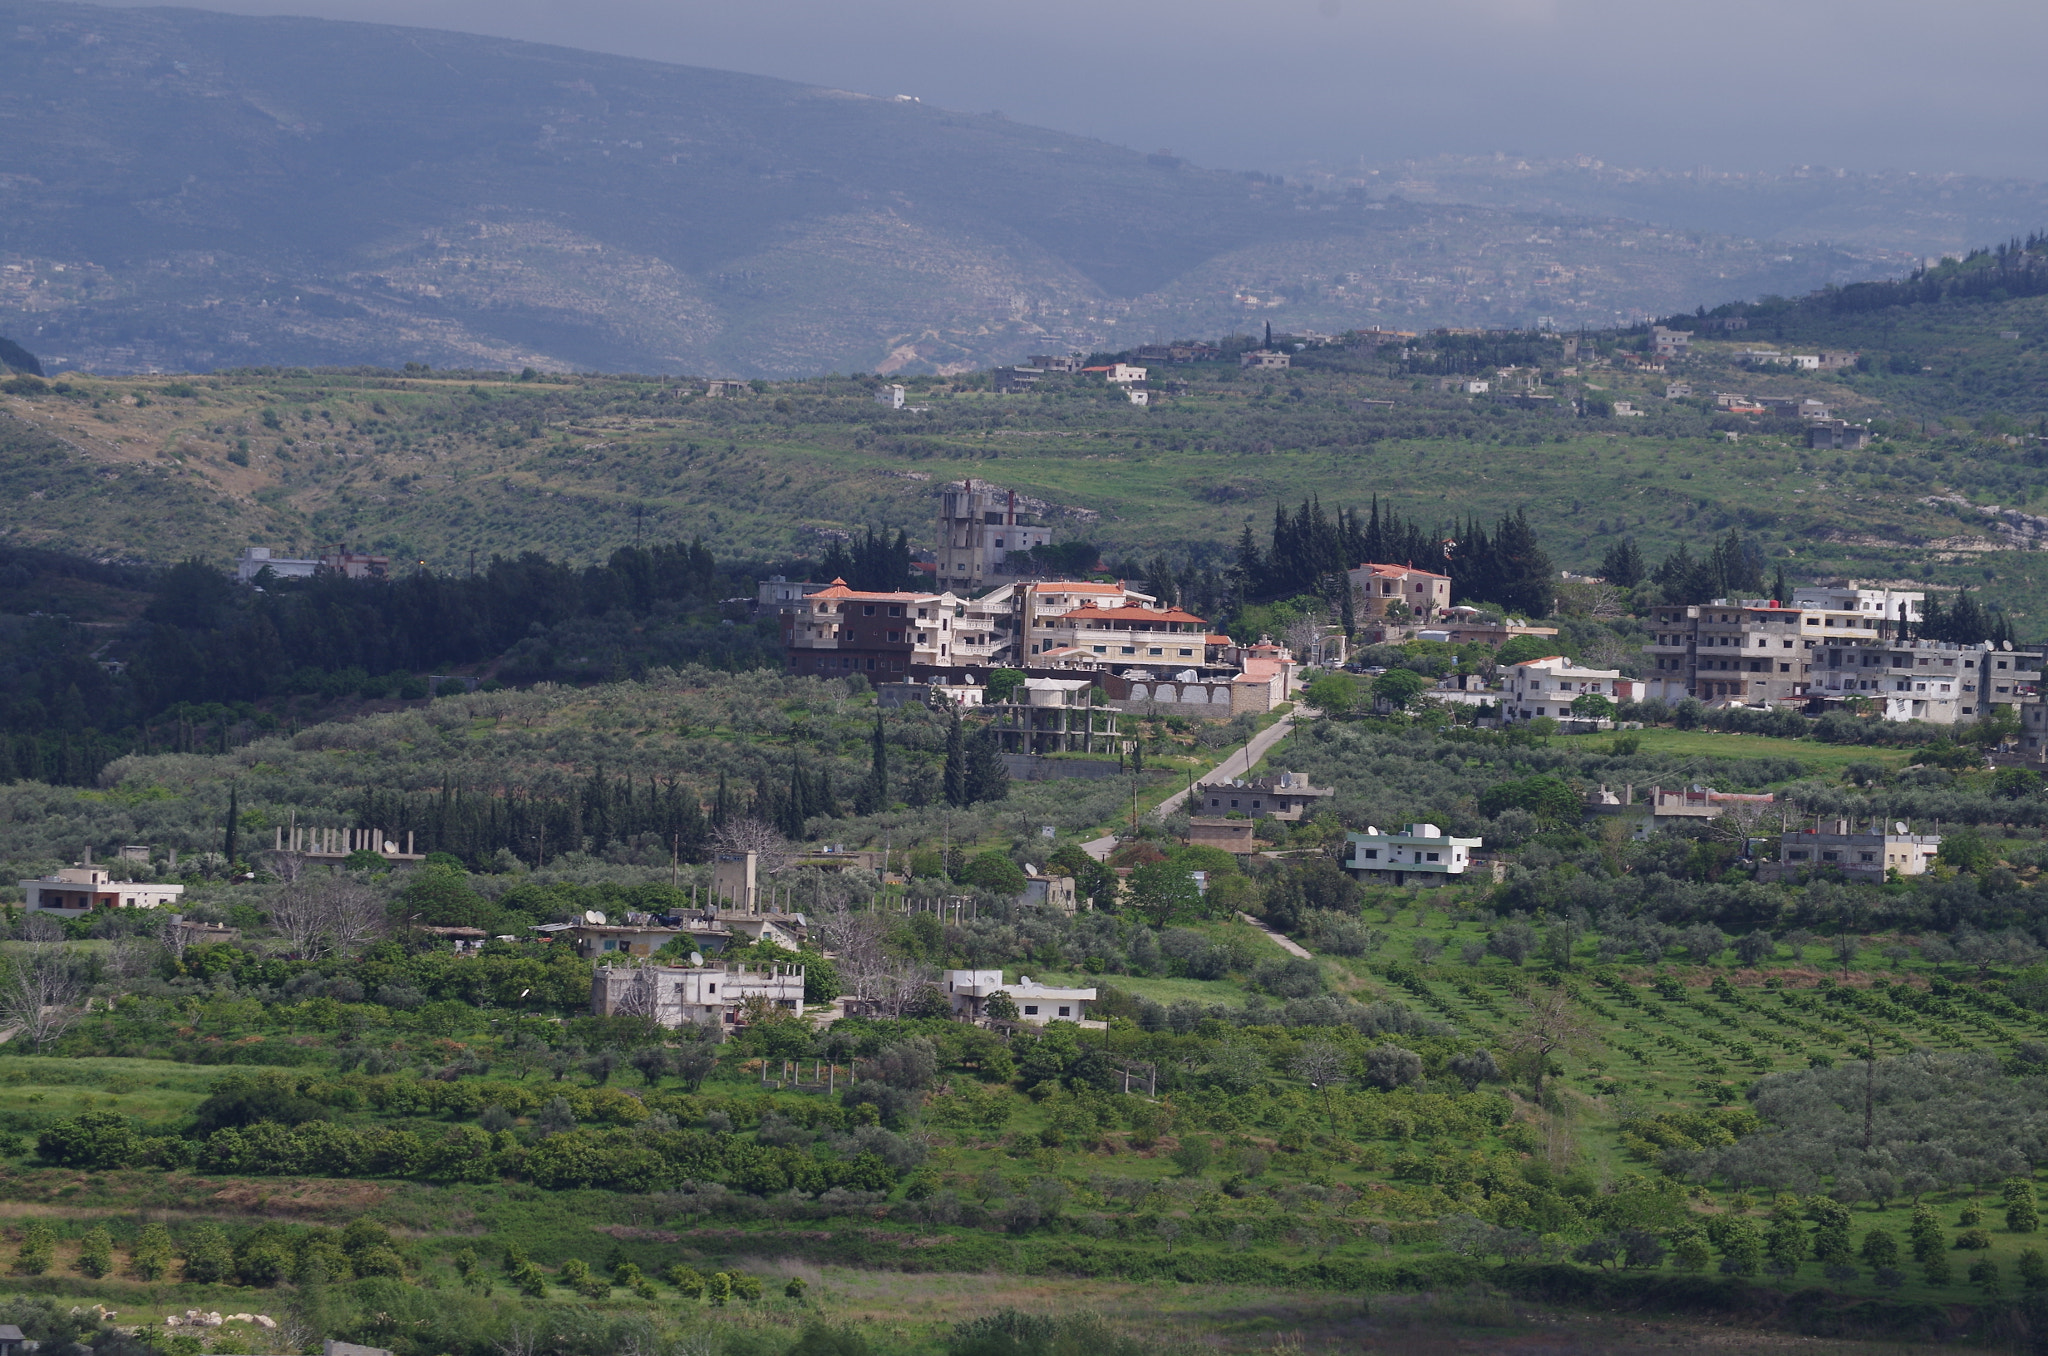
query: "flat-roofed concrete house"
78, 890
711, 995
1037, 1004
1424, 855
1549, 686
1286, 796
1864, 855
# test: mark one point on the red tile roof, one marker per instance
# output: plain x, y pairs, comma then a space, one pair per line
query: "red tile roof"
1090, 612
1400, 570
839, 588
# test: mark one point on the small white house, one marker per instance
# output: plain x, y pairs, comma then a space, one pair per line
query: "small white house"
1037, 1004
77, 890
892, 396
1424, 855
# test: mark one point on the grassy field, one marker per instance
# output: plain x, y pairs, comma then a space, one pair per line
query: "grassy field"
1825, 760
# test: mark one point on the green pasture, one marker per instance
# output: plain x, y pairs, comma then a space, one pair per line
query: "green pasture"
1826, 760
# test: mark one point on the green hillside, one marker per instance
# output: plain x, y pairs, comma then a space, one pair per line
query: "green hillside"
434, 467
189, 191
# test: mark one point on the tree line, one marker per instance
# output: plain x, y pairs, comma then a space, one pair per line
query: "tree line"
1309, 552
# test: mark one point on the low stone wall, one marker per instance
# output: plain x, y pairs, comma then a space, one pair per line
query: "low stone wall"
1029, 767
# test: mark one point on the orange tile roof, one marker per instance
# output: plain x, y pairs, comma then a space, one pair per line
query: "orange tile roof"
1400, 569
1090, 612
839, 588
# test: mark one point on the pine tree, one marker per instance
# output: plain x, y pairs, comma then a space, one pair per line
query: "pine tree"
956, 762
1622, 566
722, 806
1780, 590
1526, 581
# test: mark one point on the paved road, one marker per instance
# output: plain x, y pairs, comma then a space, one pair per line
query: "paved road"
1239, 759
1287, 944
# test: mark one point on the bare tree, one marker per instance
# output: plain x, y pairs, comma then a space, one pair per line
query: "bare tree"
286, 866
1321, 1065
328, 915
642, 997
855, 941
1547, 1026
40, 991
1305, 637
132, 956
40, 927
172, 936
757, 836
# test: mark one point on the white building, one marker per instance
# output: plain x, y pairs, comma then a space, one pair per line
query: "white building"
1425, 855
1865, 855
256, 559
1850, 608
892, 396
711, 995
1549, 686
1264, 358
77, 890
1037, 1004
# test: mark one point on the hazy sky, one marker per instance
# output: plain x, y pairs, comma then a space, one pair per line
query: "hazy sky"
1733, 84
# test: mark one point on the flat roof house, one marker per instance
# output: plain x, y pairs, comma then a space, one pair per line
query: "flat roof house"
77, 890
1286, 796
1424, 855
1037, 1004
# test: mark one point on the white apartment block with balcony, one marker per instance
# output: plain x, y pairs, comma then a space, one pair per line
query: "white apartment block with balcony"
1425, 855
1041, 608
1549, 686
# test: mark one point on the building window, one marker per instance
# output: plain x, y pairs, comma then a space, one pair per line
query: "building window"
1031, 1009
1433, 857
1372, 854
1066, 1011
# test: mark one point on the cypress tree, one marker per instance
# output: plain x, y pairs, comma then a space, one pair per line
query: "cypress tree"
956, 762
722, 806
987, 777
231, 839
874, 792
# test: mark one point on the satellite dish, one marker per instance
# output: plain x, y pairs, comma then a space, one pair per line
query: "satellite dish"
593, 917
1898, 826
696, 958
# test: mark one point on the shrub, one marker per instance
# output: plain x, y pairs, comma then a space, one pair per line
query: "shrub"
96, 1253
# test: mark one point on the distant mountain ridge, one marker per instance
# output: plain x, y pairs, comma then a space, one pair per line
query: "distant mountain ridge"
187, 190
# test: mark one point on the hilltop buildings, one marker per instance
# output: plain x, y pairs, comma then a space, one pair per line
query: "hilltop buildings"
1830, 646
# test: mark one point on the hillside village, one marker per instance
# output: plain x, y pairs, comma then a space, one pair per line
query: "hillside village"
1420, 893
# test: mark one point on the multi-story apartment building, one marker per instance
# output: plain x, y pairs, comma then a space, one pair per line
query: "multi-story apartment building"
1931, 680
1832, 644
1131, 635
1041, 608
1752, 651
1548, 687
1758, 651
840, 630
979, 527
